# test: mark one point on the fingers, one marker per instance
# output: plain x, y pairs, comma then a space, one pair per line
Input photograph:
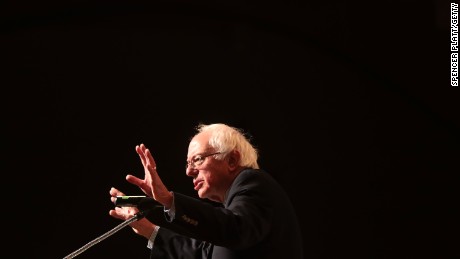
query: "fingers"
149, 165
114, 192
146, 156
146, 189
141, 150
120, 213
123, 213
134, 180
150, 161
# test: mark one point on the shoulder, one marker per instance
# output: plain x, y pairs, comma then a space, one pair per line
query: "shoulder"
254, 182
248, 176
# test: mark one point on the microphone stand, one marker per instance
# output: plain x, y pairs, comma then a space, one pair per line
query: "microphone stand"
137, 216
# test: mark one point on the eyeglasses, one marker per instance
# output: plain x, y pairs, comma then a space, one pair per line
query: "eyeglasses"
198, 160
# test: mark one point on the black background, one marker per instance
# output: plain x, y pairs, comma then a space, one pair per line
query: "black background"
349, 104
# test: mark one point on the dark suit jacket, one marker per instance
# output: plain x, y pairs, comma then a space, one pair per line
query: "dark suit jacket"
256, 221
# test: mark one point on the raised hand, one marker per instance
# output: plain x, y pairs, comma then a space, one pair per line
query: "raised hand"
151, 185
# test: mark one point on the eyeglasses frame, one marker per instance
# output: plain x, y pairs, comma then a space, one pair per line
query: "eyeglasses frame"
193, 161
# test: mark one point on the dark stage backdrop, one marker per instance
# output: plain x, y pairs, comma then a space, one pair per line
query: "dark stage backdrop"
349, 104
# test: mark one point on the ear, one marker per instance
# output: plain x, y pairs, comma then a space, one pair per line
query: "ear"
234, 159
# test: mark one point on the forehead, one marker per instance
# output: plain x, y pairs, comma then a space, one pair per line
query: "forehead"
198, 144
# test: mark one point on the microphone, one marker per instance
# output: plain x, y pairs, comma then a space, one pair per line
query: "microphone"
129, 201
141, 202
145, 205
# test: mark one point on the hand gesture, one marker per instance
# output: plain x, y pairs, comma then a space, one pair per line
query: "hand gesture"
141, 227
151, 185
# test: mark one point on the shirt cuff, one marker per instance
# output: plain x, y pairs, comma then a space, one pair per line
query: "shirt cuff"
171, 213
152, 237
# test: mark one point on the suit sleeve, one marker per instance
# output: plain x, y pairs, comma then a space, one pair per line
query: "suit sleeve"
244, 222
170, 245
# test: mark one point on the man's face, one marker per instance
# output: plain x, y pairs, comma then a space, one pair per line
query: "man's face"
211, 178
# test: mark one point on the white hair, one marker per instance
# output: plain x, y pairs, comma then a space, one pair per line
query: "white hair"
224, 138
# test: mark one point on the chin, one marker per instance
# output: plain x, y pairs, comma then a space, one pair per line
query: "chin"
201, 194
204, 193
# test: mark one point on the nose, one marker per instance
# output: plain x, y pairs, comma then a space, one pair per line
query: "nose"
190, 171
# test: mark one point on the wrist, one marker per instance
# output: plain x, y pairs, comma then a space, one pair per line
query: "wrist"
169, 200
145, 228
